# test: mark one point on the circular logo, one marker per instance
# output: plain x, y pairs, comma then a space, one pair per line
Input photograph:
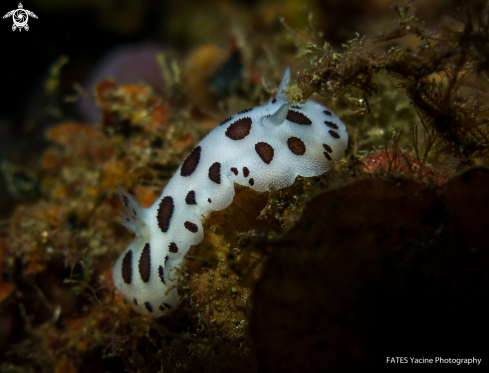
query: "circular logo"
20, 17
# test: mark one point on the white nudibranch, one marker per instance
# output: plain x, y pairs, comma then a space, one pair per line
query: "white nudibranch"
264, 148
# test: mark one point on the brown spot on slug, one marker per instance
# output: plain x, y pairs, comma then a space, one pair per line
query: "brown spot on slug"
190, 198
331, 124
215, 172
239, 129
191, 162
173, 248
145, 263
296, 145
334, 134
298, 118
165, 212
161, 273
265, 151
327, 148
127, 267
191, 227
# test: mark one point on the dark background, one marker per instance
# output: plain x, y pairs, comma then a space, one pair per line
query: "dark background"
85, 30
81, 30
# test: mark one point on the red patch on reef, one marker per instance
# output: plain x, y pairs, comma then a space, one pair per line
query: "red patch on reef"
104, 92
69, 133
386, 161
5, 290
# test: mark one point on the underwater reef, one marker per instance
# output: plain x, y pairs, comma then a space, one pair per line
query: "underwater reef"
384, 255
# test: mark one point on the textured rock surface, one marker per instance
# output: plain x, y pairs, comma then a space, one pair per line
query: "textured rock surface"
379, 268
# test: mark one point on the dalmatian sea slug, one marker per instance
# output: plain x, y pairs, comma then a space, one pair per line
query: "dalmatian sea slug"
264, 148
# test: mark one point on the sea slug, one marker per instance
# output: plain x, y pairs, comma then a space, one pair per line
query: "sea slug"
264, 148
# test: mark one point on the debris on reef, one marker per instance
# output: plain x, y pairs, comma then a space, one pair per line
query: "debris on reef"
439, 77
309, 277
